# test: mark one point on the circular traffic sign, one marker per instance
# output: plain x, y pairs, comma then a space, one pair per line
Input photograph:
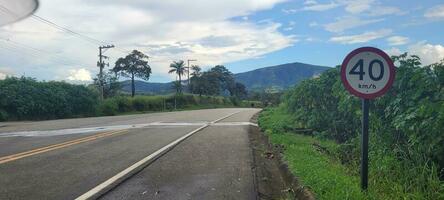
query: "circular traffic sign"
367, 72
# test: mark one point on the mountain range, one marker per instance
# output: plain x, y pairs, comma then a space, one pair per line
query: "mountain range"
277, 77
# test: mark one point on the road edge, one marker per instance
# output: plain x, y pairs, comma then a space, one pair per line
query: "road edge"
276, 159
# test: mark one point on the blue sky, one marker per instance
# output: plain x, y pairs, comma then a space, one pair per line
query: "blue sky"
405, 22
241, 34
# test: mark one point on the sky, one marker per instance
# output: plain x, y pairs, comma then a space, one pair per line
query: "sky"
241, 34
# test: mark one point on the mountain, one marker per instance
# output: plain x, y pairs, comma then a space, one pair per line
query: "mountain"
277, 77
143, 87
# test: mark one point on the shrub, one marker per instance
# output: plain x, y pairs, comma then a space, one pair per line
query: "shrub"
405, 126
124, 104
27, 99
109, 107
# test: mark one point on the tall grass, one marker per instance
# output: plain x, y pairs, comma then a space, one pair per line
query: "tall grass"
392, 174
126, 104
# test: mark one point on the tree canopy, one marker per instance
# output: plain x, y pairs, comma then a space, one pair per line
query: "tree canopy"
133, 65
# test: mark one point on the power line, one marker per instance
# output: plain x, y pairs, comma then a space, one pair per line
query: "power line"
39, 52
74, 33
19, 51
63, 29
79, 35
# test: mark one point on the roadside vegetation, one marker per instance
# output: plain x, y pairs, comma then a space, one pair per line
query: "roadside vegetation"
28, 99
142, 104
318, 123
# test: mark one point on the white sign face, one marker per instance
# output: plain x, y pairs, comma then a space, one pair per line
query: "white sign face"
367, 72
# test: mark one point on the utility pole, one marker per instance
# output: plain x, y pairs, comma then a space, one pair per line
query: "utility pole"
101, 65
188, 66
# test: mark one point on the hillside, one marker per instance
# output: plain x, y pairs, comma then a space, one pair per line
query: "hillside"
277, 77
143, 87
280, 76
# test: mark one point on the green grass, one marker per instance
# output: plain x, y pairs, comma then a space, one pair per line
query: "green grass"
390, 177
324, 176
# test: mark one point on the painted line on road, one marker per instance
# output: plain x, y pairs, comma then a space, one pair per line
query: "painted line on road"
114, 181
25, 154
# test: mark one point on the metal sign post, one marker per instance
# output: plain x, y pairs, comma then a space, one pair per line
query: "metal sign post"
367, 73
364, 144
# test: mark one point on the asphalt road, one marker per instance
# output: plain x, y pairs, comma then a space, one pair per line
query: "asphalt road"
64, 159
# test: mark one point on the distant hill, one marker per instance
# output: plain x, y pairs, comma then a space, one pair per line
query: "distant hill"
277, 77
143, 87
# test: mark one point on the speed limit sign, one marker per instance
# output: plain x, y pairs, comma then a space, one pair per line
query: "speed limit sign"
367, 72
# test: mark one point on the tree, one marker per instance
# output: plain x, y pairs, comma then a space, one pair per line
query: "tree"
111, 84
216, 81
133, 65
209, 84
196, 71
238, 90
196, 80
224, 76
179, 68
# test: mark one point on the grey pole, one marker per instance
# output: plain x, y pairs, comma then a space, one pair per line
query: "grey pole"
364, 144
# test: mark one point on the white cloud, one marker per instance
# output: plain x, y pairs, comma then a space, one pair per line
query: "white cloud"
3, 76
289, 11
310, 2
311, 5
5, 72
79, 75
393, 51
361, 38
314, 6
385, 10
166, 30
313, 24
344, 23
312, 39
429, 53
436, 12
397, 40
357, 6
291, 26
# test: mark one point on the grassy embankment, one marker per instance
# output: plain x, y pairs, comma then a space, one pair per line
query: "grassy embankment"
314, 161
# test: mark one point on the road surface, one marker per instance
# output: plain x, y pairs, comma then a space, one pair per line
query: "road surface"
202, 154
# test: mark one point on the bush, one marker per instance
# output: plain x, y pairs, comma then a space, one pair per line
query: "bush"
109, 107
27, 99
405, 126
124, 104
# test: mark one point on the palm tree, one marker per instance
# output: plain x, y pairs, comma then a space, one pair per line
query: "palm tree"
179, 68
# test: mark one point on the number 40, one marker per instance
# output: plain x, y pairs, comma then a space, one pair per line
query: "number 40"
361, 73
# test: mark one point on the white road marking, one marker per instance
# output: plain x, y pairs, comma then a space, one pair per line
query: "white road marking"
136, 167
117, 127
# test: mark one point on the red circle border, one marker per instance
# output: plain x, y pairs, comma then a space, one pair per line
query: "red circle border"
376, 51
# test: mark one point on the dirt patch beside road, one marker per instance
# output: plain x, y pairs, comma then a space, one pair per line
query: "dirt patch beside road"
273, 179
